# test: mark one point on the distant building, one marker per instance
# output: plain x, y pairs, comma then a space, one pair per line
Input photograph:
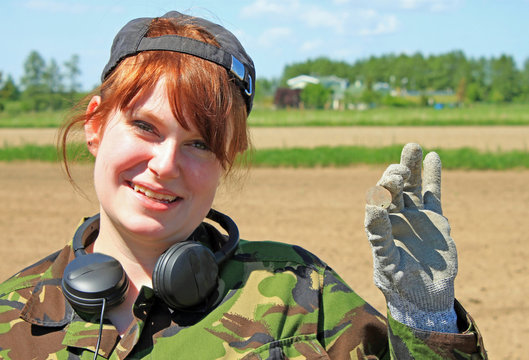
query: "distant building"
299, 82
287, 98
337, 85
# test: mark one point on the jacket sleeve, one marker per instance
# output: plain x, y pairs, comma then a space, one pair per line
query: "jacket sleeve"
352, 329
410, 343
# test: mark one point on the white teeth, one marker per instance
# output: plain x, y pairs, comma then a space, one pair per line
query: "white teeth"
154, 195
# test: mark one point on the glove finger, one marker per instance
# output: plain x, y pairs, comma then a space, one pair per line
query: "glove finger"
396, 169
393, 180
378, 230
411, 157
394, 184
432, 182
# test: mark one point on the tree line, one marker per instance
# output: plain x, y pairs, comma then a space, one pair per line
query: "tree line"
44, 85
494, 79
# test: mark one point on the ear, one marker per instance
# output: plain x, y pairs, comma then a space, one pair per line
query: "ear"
92, 126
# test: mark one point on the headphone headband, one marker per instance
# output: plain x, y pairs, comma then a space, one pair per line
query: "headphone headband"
184, 276
87, 233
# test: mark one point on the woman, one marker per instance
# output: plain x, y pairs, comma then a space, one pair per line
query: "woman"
148, 278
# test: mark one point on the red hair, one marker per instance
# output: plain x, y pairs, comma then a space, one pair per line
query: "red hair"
203, 91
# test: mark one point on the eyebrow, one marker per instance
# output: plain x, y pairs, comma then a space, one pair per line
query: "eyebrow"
143, 113
189, 126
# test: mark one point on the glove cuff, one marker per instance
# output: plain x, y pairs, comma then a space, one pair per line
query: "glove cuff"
411, 315
435, 297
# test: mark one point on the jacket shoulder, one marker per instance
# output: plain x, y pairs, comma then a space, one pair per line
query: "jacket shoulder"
28, 276
274, 251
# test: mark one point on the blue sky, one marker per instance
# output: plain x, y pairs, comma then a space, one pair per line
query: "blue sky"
274, 32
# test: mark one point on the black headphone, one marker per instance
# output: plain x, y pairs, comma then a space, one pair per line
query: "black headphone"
184, 275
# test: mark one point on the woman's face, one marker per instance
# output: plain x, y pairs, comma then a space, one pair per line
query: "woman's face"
154, 179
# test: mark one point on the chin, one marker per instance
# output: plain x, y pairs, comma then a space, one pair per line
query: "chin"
151, 229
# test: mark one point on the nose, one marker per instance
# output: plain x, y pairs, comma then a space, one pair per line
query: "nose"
165, 160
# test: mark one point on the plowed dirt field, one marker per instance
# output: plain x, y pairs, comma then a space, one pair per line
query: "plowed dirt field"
322, 210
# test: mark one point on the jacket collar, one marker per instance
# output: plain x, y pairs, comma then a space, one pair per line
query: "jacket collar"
47, 307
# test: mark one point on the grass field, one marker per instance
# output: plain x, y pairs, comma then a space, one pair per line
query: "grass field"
339, 156
320, 156
44, 119
512, 114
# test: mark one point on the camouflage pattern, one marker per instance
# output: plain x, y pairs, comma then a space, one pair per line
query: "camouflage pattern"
275, 301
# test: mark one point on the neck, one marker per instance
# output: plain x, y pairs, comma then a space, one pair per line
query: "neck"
137, 256
138, 259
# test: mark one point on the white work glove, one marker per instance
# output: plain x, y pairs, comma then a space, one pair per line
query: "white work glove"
414, 257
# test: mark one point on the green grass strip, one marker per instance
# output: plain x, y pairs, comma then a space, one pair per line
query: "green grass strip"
341, 156
46, 153
484, 115
474, 115
45, 119
322, 156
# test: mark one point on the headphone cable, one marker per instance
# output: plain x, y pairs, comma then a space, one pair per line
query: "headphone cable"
100, 328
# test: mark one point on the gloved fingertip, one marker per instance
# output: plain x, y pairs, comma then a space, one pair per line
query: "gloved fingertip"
432, 156
411, 154
377, 219
432, 202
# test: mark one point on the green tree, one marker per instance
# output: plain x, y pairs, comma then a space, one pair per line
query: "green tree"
36, 93
72, 72
9, 90
505, 83
265, 87
33, 78
461, 92
315, 96
446, 70
370, 97
478, 79
475, 92
321, 66
52, 78
418, 72
524, 81
54, 86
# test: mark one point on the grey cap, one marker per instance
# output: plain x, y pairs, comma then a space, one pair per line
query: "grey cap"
131, 40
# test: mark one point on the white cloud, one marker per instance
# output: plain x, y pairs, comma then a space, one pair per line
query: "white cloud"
430, 5
271, 7
272, 36
311, 45
379, 25
294, 12
57, 6
289, 19
316, 17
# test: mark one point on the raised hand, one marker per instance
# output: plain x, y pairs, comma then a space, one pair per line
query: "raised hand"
414, 257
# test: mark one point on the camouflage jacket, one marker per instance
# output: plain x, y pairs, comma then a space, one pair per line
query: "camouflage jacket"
277, 301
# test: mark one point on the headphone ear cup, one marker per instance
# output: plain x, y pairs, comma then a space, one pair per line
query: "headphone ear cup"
185, 275
90, 278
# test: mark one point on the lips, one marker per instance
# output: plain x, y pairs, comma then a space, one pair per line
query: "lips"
151, 194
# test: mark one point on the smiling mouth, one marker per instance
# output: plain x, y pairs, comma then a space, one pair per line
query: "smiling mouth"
163, 198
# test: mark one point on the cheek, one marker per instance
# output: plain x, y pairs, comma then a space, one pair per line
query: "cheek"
118, 155
204, 178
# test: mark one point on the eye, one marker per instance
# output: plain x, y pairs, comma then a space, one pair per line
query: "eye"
200, 145
144, 126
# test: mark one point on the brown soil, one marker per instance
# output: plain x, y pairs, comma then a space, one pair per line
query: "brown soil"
484, 138
480, 137
322, 210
